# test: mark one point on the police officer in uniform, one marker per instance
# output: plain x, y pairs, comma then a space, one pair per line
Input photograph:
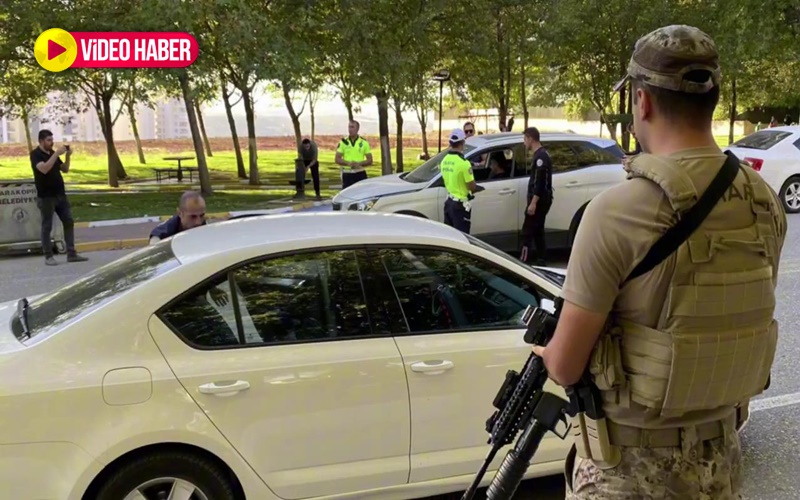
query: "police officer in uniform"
678, 351
459, 182
540, 198
353, 155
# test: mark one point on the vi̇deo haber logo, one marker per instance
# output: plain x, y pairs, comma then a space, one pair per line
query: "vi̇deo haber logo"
56, 50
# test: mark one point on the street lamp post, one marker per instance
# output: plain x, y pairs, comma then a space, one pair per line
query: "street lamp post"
441, 76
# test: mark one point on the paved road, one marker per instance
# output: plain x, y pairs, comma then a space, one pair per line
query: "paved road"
769, 440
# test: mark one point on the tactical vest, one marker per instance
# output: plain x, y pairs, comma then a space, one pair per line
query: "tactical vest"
716, 337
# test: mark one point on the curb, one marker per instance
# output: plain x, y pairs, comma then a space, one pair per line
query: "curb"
217, 215
96, 246
105, 245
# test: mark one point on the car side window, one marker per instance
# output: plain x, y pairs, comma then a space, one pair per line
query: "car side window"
442, 291
298, 298
589, 155
563, 156
494, 164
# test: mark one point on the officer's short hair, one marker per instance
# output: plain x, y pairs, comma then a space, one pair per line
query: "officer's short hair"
533, 133
678, 66
44, 134
188, 196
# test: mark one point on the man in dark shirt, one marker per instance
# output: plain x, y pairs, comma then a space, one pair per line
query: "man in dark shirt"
309, 153
52, 196
540, 198
191, 213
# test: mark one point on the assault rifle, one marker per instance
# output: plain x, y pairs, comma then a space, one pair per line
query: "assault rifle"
523, 405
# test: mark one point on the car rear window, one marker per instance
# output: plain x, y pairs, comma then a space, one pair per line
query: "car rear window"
50, 312
763, 139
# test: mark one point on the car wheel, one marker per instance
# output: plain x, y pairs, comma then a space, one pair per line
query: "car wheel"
168, 475
790, 195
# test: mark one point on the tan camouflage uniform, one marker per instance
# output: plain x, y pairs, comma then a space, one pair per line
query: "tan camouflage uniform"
619, 226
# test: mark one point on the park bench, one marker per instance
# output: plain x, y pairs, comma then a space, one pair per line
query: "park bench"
161, 173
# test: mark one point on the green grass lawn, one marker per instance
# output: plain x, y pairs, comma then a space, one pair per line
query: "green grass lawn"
275, 167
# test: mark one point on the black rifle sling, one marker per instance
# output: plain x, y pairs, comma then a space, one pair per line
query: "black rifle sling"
691, 219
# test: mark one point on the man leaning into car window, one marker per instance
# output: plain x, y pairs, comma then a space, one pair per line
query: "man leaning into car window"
191, 213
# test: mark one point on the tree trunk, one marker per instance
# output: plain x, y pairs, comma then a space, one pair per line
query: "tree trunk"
115, 169
398, 115
197, 139
27, 124
348, 103
202, 129
247, 98
524, 97
135, 130
732, 110
383, 127
287, 99
241, 172
311, 105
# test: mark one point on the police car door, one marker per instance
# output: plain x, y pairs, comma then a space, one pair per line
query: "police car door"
495, 211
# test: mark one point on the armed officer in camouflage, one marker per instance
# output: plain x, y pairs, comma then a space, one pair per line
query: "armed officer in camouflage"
677, 352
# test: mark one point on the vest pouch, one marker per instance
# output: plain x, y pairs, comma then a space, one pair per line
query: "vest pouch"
605, 365
646, 361
718, 369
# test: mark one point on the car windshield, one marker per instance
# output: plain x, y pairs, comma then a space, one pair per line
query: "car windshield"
52, 311
430, 169
554, 278
763, 139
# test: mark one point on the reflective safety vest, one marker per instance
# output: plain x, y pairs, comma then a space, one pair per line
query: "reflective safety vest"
716, 338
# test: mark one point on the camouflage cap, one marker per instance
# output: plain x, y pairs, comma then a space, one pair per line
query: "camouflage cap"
663, 57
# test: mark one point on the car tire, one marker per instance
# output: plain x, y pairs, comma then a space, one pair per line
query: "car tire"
791, 189
157, 473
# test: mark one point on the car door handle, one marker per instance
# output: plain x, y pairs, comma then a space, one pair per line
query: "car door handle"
432, 367
572, 184
224, 388
506, 191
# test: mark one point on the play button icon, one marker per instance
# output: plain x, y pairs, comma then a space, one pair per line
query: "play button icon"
54, 50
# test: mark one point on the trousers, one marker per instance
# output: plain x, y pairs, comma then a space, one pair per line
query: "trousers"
350, 178
455, 215
58, 205
661, 473
533, 230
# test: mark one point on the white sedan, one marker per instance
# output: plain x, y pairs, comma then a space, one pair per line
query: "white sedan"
583, 168
280, 357
775, 154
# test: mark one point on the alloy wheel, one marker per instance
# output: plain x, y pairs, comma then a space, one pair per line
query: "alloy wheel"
166, 488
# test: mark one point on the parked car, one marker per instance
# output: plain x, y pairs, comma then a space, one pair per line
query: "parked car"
583, 167
775, 154
346, 354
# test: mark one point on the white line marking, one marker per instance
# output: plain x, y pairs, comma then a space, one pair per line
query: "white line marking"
775, 402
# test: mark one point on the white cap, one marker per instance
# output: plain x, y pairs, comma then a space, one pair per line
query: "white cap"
457, 135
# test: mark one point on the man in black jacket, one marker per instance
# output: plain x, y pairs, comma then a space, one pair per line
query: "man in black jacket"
191, 213
540, 198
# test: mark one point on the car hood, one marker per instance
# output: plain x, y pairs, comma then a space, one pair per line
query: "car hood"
376, 187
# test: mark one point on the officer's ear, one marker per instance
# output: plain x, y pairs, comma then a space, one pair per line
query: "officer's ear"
643, 101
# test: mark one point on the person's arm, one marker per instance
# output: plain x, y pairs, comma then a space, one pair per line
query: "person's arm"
469, 177
340, 156
65, 164
315, 159
540, 181
367, 155
45, 166
601, 255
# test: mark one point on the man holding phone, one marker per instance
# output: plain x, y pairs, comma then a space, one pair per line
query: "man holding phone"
51, 195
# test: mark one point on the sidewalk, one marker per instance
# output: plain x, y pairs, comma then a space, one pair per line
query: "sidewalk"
134, 233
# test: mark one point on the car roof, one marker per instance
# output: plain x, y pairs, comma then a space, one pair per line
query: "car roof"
508, 138
308, 230
785, 128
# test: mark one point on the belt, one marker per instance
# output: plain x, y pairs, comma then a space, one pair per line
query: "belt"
451, 197
623, 435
